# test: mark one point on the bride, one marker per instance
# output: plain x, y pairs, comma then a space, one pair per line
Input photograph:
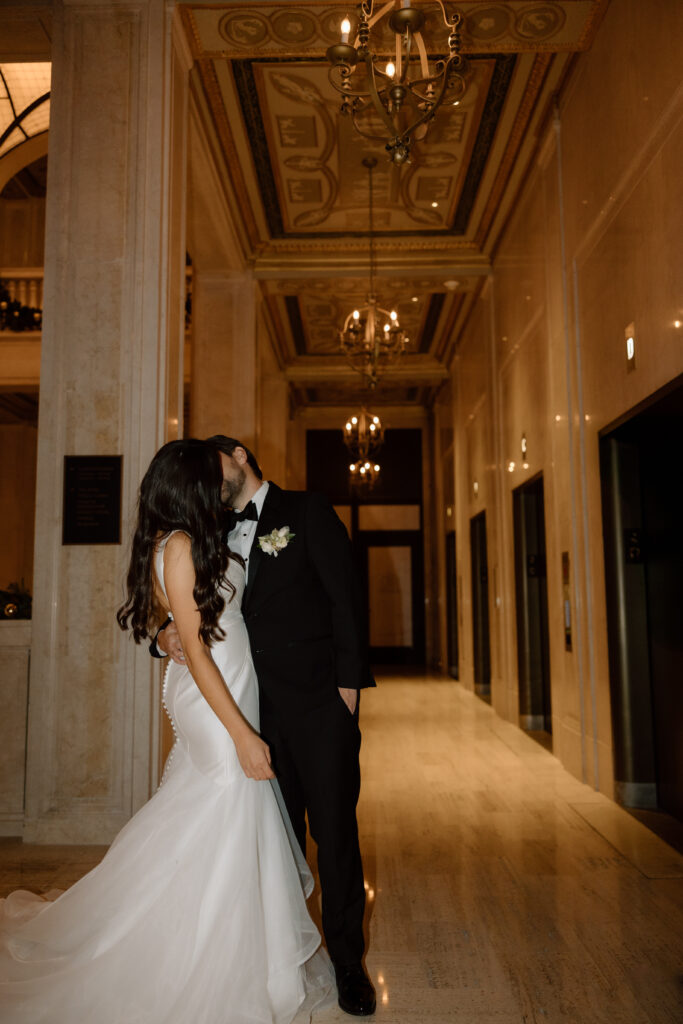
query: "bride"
197, 913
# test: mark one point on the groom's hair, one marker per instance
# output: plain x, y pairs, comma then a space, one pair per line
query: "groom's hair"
227, 445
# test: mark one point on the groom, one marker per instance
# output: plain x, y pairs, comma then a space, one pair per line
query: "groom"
302, 610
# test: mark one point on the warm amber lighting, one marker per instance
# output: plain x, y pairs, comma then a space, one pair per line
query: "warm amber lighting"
345, 30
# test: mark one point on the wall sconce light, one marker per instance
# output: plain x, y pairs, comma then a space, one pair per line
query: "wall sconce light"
630, 335
524, 446
511, 467
475, 488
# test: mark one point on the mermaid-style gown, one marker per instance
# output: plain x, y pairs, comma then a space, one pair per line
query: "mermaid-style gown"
197, 913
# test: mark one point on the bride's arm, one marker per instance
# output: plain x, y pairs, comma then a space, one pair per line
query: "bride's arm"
179, 577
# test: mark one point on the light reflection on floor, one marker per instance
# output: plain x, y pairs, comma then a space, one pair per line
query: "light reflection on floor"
500, 890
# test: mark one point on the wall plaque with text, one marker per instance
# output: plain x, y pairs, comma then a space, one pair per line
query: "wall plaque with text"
92, 499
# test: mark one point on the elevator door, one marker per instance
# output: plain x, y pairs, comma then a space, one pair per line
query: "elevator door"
533, 646
642, 498
480, 607
452, 606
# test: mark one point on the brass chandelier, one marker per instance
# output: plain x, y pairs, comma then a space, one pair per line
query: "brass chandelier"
408, 91
371, 337
363, 436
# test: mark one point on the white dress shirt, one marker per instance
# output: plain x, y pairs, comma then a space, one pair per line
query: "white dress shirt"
241, 537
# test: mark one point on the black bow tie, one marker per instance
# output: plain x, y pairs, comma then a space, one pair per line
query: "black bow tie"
248, 512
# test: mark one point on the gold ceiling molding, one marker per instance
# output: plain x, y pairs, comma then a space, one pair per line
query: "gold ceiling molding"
413, 367
308, 28
350, 245
345, 286
190, 28
535, 84
244, 213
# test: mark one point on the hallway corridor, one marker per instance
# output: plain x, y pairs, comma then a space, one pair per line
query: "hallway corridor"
501, 890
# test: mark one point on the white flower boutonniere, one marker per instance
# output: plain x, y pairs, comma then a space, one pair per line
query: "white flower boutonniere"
276, 541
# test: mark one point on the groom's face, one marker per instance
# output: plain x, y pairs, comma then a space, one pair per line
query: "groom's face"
234, 479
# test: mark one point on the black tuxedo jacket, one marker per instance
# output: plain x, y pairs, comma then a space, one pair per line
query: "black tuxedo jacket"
303, 608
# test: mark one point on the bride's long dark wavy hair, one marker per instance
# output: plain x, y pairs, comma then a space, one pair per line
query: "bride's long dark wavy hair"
181, 490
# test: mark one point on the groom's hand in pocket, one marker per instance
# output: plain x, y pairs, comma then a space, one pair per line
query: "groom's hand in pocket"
168, 641
350, 698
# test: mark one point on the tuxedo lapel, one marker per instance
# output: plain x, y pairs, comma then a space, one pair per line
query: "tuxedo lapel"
268, 520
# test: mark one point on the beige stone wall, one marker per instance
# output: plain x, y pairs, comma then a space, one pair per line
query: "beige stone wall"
593, 245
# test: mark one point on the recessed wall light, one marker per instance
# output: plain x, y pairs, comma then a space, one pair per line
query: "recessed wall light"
630, 336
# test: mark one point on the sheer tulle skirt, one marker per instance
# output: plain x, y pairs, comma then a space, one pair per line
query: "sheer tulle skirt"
196, 914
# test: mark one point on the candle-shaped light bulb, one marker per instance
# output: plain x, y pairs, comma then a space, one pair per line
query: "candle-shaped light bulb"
354, 420
386, 328
356, 314
393, 314
345, 29
390, 70
348, 426
376, 468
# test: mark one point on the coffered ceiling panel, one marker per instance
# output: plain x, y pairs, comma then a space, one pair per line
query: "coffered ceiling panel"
309, 157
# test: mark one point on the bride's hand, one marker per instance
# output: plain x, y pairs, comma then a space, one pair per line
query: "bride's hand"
254, 756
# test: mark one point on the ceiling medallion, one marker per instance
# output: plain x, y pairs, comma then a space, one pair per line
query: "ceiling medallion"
407, 93
363, 436
371, 337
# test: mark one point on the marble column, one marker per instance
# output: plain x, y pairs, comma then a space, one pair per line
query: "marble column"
111, 378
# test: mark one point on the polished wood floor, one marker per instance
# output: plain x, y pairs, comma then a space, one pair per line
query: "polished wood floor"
500, 889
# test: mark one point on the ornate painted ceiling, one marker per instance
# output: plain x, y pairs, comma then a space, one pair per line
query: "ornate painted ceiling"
300, 193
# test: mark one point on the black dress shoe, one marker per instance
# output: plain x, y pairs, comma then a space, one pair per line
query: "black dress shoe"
356, 994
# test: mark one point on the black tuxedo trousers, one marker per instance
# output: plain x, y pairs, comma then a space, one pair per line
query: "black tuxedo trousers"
302, 609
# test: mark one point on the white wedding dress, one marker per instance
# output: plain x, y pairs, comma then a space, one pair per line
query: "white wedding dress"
197, 913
